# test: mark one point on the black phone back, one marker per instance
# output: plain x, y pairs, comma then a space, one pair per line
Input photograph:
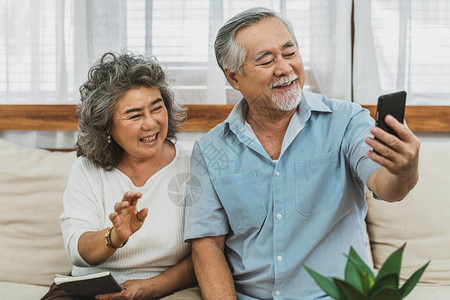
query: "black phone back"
391, 104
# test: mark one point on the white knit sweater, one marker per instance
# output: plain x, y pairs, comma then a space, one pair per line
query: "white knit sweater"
89, 199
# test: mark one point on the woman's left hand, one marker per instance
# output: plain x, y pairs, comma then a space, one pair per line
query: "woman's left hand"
131, 289
179, 277
126, 219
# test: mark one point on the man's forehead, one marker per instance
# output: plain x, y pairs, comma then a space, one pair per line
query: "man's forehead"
266, 35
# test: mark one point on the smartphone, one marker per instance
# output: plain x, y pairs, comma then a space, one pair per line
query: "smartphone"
391, 104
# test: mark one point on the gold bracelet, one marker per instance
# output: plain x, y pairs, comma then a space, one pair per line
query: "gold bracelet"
108, 242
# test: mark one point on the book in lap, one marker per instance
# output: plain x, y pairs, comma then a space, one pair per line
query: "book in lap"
88, 285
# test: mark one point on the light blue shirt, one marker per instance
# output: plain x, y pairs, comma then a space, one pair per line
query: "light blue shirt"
307, 208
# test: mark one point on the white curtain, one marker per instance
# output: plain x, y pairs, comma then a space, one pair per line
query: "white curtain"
33, 63
366, 79
331, 47
402, 45
216, 88
47, 47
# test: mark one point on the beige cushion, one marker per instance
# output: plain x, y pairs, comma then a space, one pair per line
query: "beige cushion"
422, 219
20, 291
32, 183
421, 292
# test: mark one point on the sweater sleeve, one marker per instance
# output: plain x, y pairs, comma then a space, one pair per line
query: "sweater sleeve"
83, 210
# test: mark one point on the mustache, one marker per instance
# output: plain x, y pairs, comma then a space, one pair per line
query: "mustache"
283, 81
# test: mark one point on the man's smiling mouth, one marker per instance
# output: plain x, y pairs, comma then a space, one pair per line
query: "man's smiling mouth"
283, 82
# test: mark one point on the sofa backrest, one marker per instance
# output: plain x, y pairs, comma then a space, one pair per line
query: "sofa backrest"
422, 219
32, 182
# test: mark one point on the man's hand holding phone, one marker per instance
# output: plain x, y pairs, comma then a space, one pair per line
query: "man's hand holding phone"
396, 148
399, 155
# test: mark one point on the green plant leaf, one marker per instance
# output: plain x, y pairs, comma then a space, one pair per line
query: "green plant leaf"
359, 263
366, 276
392, 264
387, 293
412, 281
353, 275
350, 292
388, 281
326, 284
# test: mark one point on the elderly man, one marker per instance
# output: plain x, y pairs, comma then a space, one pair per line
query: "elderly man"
282, 178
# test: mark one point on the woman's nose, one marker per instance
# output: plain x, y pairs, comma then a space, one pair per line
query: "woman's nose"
149, 123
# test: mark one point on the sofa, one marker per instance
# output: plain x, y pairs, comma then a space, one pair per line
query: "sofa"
422, 220
32, 182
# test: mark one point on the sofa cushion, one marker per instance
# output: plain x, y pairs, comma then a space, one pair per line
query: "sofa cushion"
21, 291
429, 292
32, 183
422, 219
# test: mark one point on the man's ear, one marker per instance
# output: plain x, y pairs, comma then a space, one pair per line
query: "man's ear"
232, 79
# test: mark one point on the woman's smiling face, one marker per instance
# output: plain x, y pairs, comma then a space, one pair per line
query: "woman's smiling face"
140, 123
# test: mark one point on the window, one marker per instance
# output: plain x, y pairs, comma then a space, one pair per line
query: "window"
412, 40
46, 47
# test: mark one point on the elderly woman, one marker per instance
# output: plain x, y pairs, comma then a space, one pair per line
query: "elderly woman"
126, 159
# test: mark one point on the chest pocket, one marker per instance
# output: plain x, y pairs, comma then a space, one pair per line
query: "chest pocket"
241, 198
318, 186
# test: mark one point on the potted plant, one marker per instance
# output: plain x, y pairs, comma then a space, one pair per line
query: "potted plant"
360, 282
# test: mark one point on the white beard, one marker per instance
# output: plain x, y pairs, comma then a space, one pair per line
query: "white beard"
287, 100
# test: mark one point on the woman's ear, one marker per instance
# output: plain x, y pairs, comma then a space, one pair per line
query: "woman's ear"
232, 79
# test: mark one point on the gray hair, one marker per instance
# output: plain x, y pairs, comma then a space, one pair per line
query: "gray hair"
229, 54
108, 80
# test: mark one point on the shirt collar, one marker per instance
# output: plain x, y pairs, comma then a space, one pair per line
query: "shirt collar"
236, 119
314, 101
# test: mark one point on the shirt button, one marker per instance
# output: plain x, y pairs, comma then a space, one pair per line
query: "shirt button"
277, 173
279, 258
279, 216
277, 292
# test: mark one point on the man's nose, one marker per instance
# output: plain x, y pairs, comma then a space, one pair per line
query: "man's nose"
282, 67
